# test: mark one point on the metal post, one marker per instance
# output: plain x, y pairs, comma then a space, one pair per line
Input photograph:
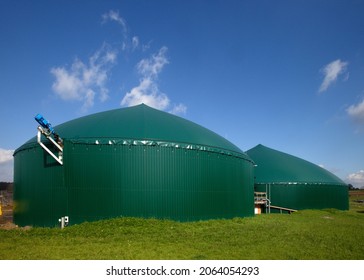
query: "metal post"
269, 198
61, 221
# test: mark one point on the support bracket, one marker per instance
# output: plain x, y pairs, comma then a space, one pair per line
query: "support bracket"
58, 158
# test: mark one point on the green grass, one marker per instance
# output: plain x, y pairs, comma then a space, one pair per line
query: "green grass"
319, 234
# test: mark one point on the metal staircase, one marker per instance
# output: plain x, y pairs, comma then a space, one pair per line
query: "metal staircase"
261, 200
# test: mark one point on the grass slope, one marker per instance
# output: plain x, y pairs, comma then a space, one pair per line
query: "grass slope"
319, 234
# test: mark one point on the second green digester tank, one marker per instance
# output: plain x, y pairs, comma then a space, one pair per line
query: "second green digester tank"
294, 183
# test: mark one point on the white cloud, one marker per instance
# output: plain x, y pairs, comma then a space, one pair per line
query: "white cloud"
356, 112
86, 81
331, 72
82, 82
147, 91
356, 179
179, 109
6, 165
6, 155
147, 46
6, 171
114, 16
153, 66
135, 42
128, 43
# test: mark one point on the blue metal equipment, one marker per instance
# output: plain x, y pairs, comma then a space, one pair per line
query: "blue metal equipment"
44, 123
47, 130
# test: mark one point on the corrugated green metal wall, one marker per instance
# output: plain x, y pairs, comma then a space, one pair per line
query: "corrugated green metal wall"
39, 192
306, 196
297, 183
152, 181
103, 181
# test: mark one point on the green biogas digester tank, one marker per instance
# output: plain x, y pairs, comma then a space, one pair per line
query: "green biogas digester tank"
294, 183
138, 162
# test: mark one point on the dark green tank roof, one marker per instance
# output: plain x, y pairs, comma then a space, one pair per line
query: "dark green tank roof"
277, 167
145, 126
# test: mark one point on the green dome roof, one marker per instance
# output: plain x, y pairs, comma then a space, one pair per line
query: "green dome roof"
277, 167
144, 125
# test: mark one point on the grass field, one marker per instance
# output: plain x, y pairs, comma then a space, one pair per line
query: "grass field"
309, 234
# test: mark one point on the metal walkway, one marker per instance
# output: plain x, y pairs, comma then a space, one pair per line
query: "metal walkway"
289, 210
261, 200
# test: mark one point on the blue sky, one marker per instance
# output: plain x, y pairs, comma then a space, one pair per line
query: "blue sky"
285, 74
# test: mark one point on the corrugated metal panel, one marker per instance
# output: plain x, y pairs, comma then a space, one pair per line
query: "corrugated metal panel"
296, 183
307, 196
163, 182
103, 181
140, 123
39, 193
156, 165
279, 167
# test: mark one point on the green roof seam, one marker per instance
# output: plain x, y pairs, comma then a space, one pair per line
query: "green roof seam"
300, 183
145, 142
